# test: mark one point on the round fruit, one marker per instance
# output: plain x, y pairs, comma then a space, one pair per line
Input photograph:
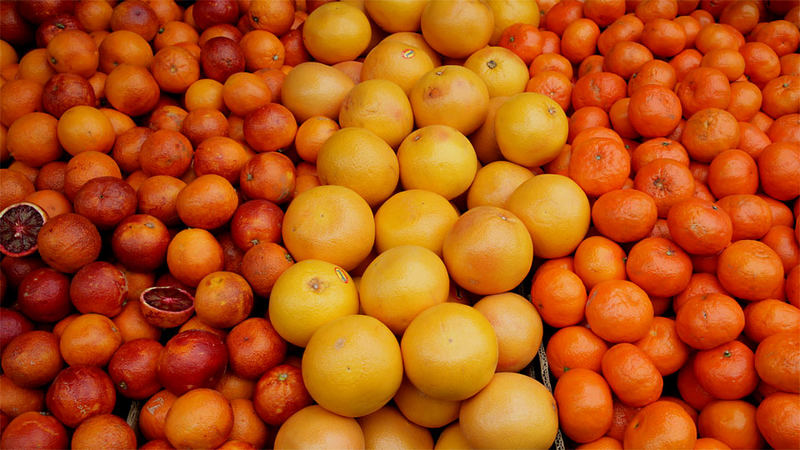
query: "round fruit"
556, 212
352, 365
201, 418
450, 351
329, 430
19, 227
166, 306
514, 409
531, 129
69, 242
99, 287
192, 359
80, 392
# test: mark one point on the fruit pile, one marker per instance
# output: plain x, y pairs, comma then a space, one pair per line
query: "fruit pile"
339, 224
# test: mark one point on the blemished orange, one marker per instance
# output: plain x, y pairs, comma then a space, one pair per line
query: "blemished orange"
518, 328
488, 250
310, 294
454, 364
402, 282
513, 409
352, 365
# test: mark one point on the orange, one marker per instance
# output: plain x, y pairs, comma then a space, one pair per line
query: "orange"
632, 375
663, 346
387, 427
488, 250
204, 93
422, 409
33, 139
381, 107
192, 254
768, 317
336, 32
449, 351
352, 365
308, 295
662, 424
585, 407
73, 51
531, 129
414, 217
599, 259
518, 328
573, 347
310, 136
708, 320
450, 95
437, 158
396, 61
559, 296
659, 267
732, 422
457, 29
402, 282
504, 72
359, 159
84, 128
750, 270
513, 409
777, 419
332, 223
555, 210
316, 427
199, 418
775, 361
314, 89
619, 311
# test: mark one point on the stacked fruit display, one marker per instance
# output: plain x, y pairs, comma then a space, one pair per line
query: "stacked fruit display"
346, 224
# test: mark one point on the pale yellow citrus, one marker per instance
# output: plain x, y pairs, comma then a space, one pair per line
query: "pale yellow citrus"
310, 294
380, 106
449, 351
495, 182
437, 158
504, 72
414, 217
531, 129
360, 160
402, 282
556, 212
352, 365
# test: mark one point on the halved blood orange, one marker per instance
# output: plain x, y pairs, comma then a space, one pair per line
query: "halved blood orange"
166, 306
19, 227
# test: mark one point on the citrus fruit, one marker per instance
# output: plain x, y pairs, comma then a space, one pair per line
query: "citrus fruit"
531, 129
352, 365
310, 294
449, 351
556, 212
514, 409
19, 228
402, 282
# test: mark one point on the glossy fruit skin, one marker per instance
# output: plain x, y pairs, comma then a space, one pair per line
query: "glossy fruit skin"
192, 359
280, 392
80, 392
43, 295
